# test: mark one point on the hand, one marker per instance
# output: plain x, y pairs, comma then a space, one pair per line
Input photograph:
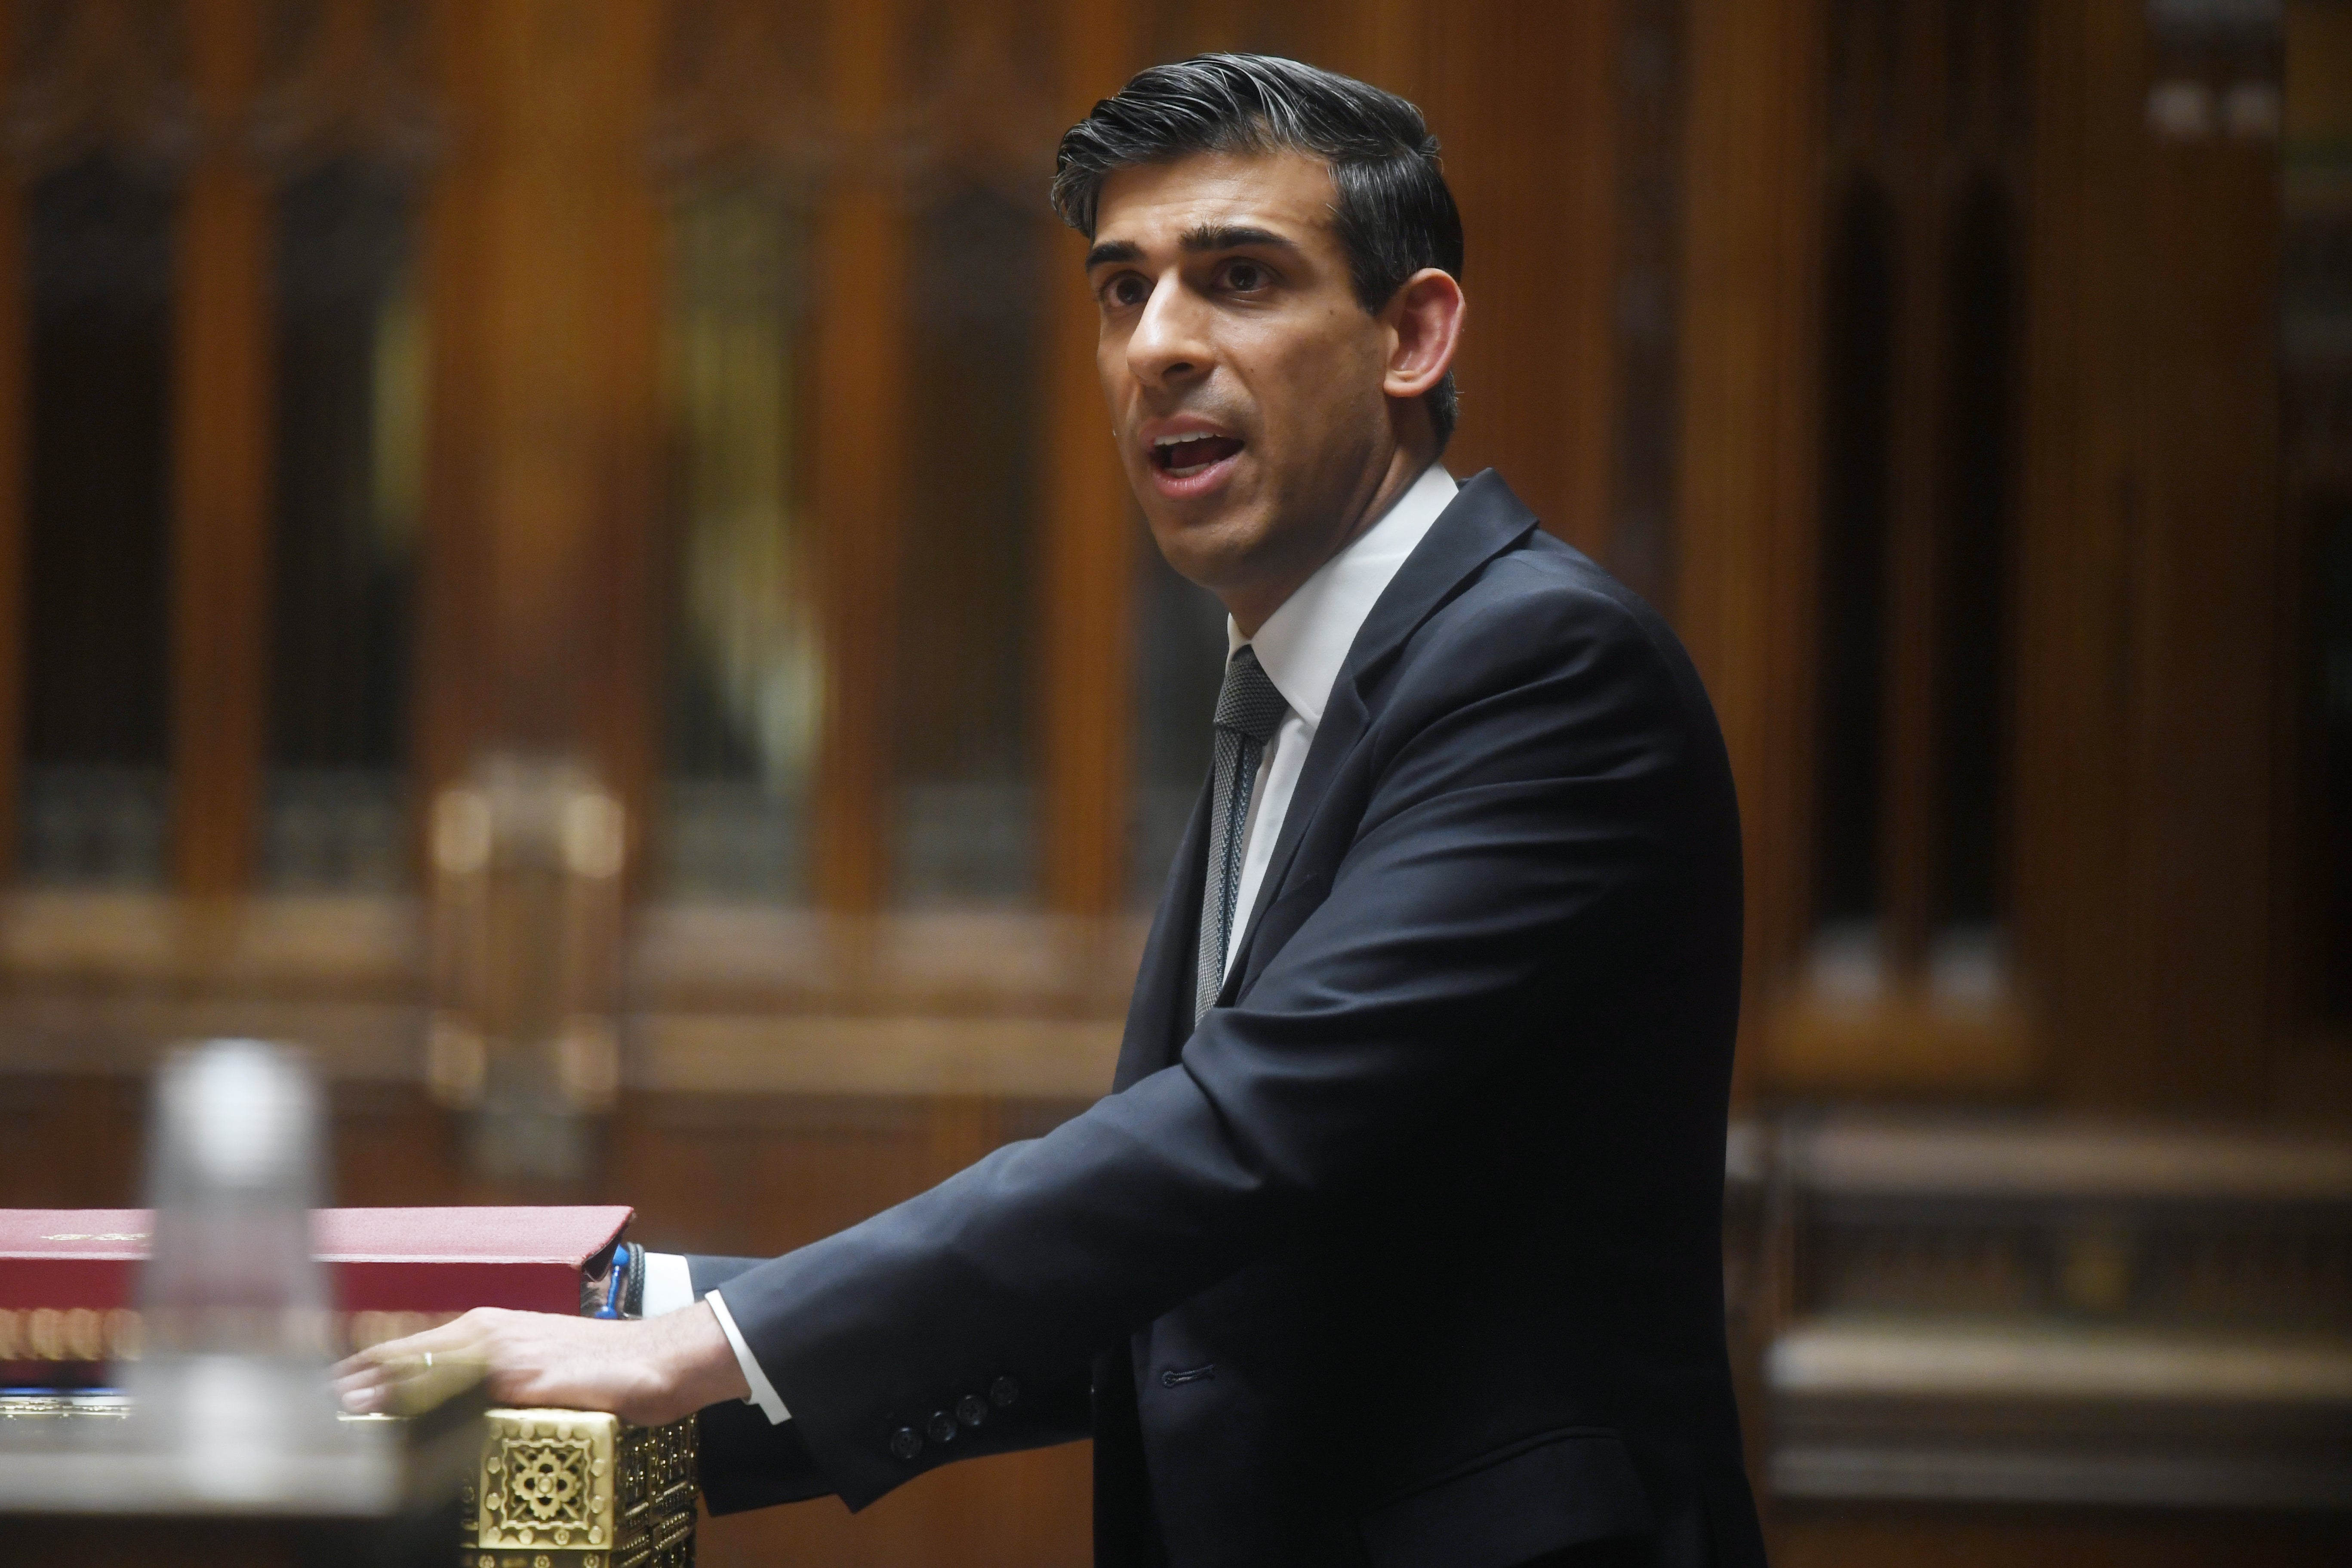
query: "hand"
649, 1372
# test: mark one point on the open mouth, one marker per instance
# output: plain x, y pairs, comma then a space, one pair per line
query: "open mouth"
1185, 456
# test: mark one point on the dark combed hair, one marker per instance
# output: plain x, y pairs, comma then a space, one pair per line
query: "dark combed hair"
1395, 214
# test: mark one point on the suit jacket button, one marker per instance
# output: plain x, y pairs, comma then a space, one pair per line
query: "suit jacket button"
941, 1426
971, 1410
1003, 1393
906, 1442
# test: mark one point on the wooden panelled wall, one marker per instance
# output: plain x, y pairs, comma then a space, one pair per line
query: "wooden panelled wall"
1646, 185
2144, 846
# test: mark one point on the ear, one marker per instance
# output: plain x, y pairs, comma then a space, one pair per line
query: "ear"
1424, 320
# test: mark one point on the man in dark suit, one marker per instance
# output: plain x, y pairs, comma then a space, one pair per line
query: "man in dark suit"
1398, 1239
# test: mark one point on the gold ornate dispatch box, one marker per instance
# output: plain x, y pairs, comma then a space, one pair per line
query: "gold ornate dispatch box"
571, 1488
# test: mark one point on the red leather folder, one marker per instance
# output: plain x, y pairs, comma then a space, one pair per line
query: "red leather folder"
69, 1275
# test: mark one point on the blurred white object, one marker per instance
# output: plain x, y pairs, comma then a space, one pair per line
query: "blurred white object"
232, 1174
233, 1387
229, 1410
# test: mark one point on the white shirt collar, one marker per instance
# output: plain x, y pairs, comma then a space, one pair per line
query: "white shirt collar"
1303, 644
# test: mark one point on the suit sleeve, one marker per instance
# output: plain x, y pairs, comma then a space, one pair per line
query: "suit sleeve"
1522, 790
746, 1461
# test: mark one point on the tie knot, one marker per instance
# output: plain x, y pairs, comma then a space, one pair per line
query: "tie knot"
1249, 704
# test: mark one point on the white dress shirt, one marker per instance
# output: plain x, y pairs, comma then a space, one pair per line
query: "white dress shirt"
1301, 647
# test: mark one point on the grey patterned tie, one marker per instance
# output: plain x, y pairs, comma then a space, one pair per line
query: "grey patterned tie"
1249, 710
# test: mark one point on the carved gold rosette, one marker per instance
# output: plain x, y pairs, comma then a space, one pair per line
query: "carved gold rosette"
569, 1489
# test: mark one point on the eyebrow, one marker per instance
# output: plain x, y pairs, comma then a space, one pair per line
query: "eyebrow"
1232, 237
1207, 236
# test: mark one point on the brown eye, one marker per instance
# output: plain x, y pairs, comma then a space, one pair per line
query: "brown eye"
1245, 276
1127, 290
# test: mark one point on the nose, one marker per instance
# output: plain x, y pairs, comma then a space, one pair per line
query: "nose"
1168, 345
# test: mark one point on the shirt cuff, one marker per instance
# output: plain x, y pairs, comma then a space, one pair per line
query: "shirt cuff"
669, 1284
764, 1393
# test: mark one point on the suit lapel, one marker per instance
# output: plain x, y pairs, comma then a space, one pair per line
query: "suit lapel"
1160, 1016
1484, 520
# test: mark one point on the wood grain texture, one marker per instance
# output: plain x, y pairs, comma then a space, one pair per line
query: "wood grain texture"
624, 732
1746, 528
1934, 1538
452, 587
2204, 640
16, 364
1915, 89
2150, 588
1519, 182
859, 472
1084, 672
2079, 491
1910, 570
221, 473
538, 625
1592, 61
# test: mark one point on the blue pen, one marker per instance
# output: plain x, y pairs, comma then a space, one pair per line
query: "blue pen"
615, 1288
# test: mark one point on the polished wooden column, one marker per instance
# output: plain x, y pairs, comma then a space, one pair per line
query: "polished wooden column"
16, 348
452, 593
859, 478
2206, 721
2079, 498
630, 603
1748, 426
2203, 644
1090, 539
2150, 730
540, 254
1581, 509
1538, 199
220, 424
1912, 149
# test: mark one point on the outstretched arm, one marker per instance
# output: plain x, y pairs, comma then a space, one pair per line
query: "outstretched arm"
1521, 802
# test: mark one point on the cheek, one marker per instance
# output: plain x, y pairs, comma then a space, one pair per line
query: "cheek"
1110, 370
1321, 387
1119, 405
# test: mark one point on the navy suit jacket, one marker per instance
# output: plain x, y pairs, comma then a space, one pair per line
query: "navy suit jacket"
1410, 1253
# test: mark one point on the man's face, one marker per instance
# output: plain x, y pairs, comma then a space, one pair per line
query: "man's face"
1245, 381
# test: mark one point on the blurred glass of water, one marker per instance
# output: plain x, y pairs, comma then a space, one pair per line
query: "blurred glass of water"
233, 1376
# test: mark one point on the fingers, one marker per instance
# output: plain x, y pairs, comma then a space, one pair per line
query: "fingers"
642, 1371
453, 1337
406, 1375
528, 1358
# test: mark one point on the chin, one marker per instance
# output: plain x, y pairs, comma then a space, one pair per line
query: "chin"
1206, 550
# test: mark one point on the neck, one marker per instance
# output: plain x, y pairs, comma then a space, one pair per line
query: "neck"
1250, 606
